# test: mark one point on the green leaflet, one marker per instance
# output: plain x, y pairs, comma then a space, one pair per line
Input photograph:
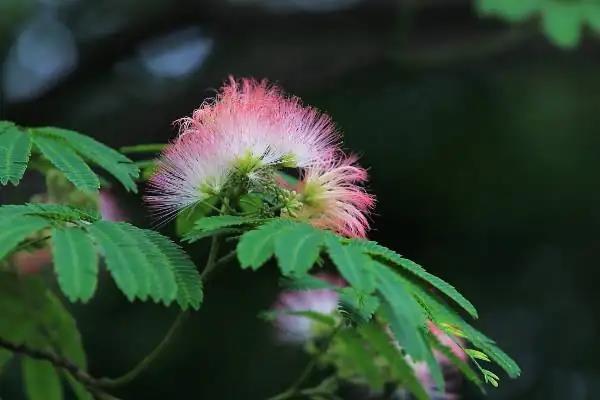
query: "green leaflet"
41, 380
432, 363
297, 248
401, 371
142, 262
391, 256
209, 225
462, 366
305, 282
562, 23
121, 167
187, 279
354, 265
146, 264
257, 246
54, 212
67, 162
358, 306
159, 266
15, 149
125, 260
64, 149
441, 285
441, 314
75, 263
403, 313
16, 229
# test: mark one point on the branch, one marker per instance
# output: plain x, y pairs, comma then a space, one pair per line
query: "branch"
149, 359
92, 384
136, 371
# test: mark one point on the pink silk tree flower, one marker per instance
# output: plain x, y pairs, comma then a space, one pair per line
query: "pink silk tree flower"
255, 118
334, 200
300, 329
32, 262
246, 132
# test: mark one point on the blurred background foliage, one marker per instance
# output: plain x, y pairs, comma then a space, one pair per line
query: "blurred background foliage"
478, 120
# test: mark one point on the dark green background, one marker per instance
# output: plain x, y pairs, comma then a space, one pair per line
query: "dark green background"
483, 157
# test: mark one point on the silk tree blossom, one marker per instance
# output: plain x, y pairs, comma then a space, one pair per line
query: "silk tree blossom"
235, 142
256, 119
332, 198
299, 329
249, 129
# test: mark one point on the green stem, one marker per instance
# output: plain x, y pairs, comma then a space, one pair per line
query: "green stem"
29, 243
80, 375
148, 360
211, 264
143, 148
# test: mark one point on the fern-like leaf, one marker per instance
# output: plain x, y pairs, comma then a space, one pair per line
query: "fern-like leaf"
52, 212
68, 162
402, 312
297, 248
357, 306
208, 226
15, 149
14, 230
188, 282
443, 315
462, 366
354, 265
75, 263
257, 246
121, 167
146, 264
391, 256
125, 260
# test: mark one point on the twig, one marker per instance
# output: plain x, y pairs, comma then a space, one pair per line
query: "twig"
211, 263
143, 148
30, 243
91, 383
149, 359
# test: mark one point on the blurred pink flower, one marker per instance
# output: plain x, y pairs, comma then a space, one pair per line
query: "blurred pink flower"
110, 209
299, 329
32, 262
